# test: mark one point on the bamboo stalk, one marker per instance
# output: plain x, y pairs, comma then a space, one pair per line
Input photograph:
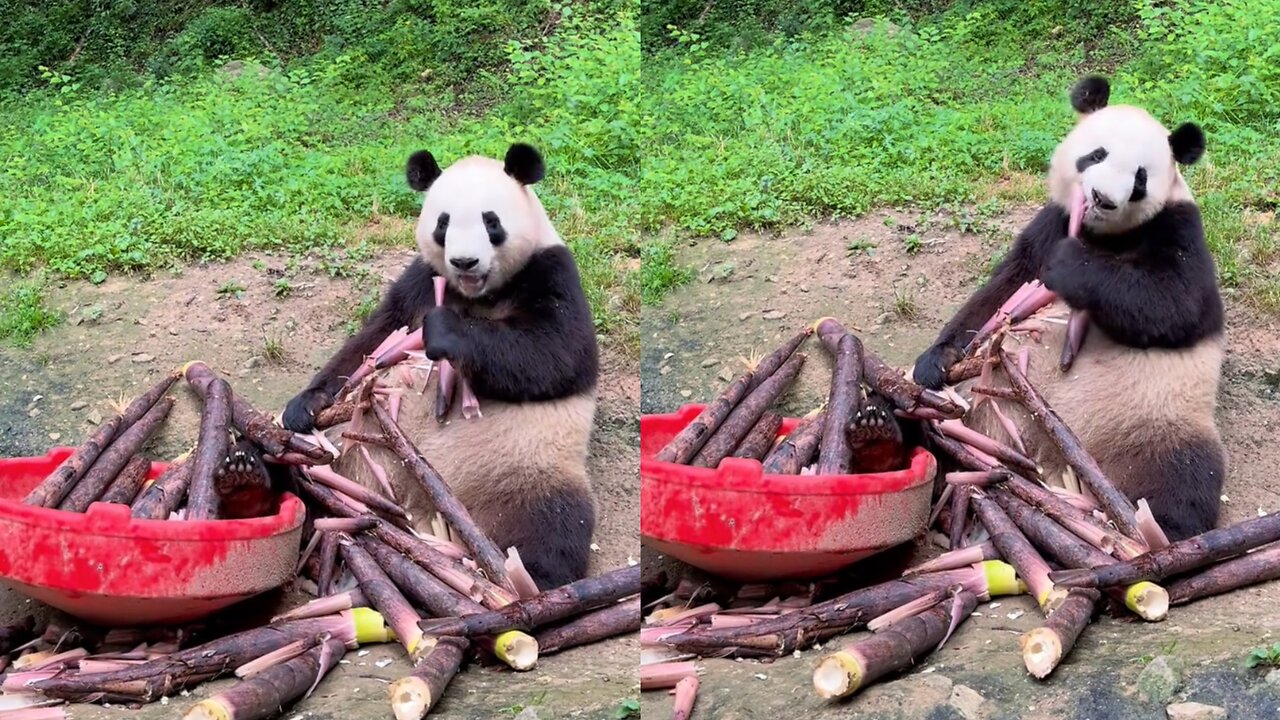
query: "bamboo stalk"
747, 413
486, 554
384, 596
447, 569
166, 494
960, 502
835, 455
563, 602
1018, 552
257, 426
961, 432
51, 491
1118, 507
1148, 600
681, 448
660, 676
413, 696
597, 625
164, 676
1179, 557
326, 476
956, 559
966, 369
125, 487
801, 628
759, 441
211, 451
848, 671
1083, 524
113, 459
1152, 534
1077, 331
1261, 565
902, 392
328, 562
686, 696
263, 695
795, 450
1044, 647
325, 606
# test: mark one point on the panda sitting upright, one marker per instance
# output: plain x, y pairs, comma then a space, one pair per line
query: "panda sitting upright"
1142, 392
516, 324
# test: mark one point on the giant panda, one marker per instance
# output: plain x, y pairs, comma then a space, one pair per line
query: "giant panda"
516, 323
1143, 389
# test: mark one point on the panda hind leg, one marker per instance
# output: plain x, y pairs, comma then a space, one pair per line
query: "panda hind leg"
553, 534
1183, 486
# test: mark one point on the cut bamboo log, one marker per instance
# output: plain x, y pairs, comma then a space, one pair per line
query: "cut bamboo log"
1261, 565
1044, 647
257, 426
597, 625
743, 417
1148, 600
51, 491
164, 496
1179, 557
1083, 524
563, 602
759, 441
112, 460
835, 455
897, 647
125, 487
385, 597
1018, 552
689, 441
413, 696
203, 502
797, 449
263, 695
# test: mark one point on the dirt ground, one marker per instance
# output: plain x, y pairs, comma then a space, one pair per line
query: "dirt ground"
124, 333
896, 277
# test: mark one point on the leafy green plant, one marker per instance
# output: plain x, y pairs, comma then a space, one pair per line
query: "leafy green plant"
231, 288
1269, 656
23, 314
628, 708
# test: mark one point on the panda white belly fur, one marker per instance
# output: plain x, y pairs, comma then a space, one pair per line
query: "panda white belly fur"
498, 465
1132, 409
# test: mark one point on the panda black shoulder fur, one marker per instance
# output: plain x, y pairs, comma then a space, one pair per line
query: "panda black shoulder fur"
1142, 393
515, 323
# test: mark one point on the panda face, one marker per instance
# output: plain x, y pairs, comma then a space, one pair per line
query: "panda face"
1121, 161
479, 221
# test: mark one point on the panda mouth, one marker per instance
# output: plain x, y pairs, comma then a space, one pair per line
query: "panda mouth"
471, 283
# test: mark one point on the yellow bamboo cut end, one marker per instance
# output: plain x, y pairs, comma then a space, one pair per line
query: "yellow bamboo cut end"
517, 649
839, 675
370, 626
211, 709
1147, 600
1001, 578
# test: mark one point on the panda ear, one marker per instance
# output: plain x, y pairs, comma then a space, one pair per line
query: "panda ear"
1187, 142
1090, 94
421, 170
524, 164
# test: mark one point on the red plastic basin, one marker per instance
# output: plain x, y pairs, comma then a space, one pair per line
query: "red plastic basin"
105, 567
739, 523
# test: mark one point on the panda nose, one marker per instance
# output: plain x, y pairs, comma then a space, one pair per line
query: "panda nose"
1102, 201
464, 263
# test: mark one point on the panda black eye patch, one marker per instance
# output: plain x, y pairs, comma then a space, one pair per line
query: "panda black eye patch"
497, 233
1086, 161
442, 226
1139, 185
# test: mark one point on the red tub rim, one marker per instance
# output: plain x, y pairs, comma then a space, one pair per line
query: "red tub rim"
114, 520
747, 476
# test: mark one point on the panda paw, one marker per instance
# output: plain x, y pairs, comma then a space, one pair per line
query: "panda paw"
243, 484
299, 414
876, 439
441, 334
1063, 270
931, 367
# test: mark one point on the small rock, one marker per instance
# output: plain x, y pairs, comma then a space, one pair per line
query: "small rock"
94, 418
746, 315
1160, 679
804, 288
33, 412
253, 362
665, 369
726, 375
55, 436
79, 405
143, 358
528, 714
774, 315
686, 393
174, 331
1195, 711
709, 362
966, 701
113, 359
1273, 677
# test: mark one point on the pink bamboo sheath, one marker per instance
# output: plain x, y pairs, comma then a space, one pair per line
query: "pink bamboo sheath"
666, 675
325, 476
956, 559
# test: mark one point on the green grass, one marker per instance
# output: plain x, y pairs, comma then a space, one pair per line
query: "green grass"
304, 158
959, 109
23, 313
